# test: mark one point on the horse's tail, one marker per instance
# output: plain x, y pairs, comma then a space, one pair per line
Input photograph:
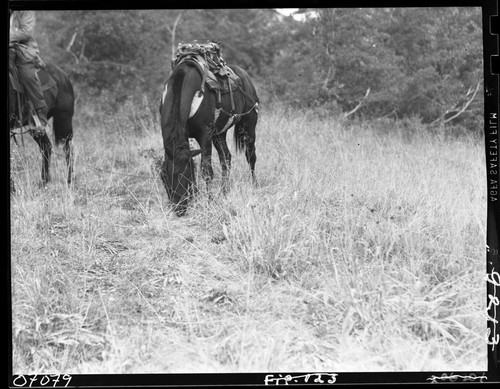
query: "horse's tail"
239, 138
244, 130
246, 127
178, 80
63, 106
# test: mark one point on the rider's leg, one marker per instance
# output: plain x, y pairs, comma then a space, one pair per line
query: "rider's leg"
33, 88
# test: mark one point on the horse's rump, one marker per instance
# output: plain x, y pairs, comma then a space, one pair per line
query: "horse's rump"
246, 84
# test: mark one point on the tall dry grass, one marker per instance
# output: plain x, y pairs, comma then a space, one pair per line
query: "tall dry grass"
361, 249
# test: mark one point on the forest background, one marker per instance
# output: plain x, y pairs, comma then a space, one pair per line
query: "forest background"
423, 64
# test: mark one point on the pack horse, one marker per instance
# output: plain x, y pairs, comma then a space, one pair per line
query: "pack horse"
203, 98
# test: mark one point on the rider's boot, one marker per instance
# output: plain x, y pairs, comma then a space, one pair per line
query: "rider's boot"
42, 115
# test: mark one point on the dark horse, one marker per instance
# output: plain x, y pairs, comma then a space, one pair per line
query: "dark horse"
60, 102
178, 172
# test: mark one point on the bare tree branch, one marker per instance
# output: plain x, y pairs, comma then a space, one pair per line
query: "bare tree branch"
70, 45
327, 79
466, 104
82, 50
359, 104
462, 110
72, 41
75, 57
391, 113
172, 33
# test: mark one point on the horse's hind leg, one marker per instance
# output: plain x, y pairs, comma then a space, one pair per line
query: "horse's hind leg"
43, 142
68, 152
220, 145
251, 158
63, 133
206, 165
246, 131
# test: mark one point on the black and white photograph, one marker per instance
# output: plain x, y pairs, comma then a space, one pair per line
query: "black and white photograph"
265, 190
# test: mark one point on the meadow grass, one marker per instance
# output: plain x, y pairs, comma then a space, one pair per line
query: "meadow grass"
361, 249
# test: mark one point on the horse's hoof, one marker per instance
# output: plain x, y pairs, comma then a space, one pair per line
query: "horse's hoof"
70, 182
43, 185
180, 210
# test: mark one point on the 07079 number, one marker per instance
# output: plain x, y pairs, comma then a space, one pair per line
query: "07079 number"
28, 381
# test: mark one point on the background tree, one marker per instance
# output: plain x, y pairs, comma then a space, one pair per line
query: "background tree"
424, 62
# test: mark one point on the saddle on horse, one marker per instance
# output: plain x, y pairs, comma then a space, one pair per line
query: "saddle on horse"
215, 73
